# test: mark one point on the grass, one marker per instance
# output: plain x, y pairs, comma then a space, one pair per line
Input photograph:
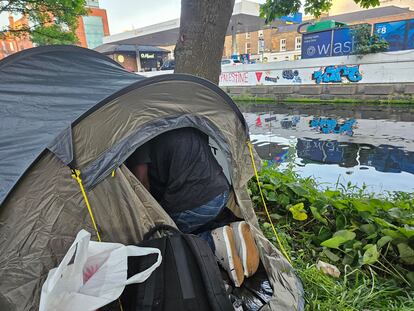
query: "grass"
246, 98
361, 233
354, 291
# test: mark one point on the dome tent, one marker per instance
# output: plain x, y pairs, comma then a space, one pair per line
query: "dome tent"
64, 108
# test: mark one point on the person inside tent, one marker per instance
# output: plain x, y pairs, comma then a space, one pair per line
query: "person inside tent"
180, 171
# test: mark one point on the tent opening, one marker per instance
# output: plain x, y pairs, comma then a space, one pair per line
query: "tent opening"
256, 291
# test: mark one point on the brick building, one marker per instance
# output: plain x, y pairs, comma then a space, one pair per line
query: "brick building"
285, 43
93, 27
12, 44
90, 32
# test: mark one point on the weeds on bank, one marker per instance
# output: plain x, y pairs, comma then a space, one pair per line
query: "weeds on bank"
369, 238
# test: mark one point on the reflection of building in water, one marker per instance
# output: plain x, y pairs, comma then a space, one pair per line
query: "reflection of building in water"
274, 152
383, 158
386, 158
328, 152
289, 122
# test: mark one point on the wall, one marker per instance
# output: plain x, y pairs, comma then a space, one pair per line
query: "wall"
375, 76
391, 67
129, 60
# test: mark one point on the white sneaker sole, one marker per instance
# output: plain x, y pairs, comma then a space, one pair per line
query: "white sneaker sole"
249, 252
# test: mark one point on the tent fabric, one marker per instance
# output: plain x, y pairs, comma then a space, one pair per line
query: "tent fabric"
45, 209
43, 91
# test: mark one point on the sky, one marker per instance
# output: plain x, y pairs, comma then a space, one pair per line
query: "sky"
125, 15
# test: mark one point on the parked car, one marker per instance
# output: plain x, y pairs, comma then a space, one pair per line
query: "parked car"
168, 65
230, 62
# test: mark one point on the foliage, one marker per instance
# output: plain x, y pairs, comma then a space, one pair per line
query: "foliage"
53, 35
273, 9
50, 21
366, 43
346, 226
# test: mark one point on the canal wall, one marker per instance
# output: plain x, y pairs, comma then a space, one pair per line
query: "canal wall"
387, 91
375, 76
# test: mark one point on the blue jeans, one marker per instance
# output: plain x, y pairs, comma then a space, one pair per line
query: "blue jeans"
190, 220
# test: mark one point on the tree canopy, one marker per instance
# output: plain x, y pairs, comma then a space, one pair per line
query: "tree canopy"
273, 9
49, 21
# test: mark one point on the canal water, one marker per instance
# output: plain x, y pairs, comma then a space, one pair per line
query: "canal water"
337, 144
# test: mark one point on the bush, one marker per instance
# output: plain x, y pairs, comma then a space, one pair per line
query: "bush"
345, 226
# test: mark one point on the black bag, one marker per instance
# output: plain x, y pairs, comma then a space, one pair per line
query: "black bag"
187, 279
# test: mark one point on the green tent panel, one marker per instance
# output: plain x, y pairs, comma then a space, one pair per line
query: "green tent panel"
64, 108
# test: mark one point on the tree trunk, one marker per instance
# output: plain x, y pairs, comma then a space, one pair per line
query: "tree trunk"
200, 44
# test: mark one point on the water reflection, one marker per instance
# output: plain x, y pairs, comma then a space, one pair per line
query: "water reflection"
334, 145
329, 126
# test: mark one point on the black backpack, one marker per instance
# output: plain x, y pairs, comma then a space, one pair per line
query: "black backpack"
187, 279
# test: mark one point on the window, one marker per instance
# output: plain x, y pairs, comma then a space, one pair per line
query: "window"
248, 48
298, 43
282, 45
247, 35
94, 32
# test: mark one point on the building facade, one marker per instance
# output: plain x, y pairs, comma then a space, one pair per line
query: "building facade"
11, 44
285, 43
93, 27
135, 58
90, 32
348, 6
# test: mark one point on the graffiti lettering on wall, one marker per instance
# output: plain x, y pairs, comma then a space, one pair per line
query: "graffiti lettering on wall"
292, 75
234, 77
272, 79
337, 74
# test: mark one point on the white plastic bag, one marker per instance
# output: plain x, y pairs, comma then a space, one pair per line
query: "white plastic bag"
91, 275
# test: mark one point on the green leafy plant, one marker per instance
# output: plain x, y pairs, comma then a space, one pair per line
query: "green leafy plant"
369, 238
346, 225
48, 21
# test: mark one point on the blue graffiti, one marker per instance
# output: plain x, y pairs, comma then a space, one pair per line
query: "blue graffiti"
334, 74
291, 75
331, 126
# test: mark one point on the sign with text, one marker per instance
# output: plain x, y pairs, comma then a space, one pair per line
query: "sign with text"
335, 42
317, 44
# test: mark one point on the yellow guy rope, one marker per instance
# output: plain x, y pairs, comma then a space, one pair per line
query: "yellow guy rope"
264, 203
76, 176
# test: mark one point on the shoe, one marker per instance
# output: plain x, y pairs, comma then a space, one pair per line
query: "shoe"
246, 247
226, 253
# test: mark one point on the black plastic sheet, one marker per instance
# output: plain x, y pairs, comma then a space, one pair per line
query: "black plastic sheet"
254, 293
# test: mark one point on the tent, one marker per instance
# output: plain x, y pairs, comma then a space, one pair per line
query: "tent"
64, 108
